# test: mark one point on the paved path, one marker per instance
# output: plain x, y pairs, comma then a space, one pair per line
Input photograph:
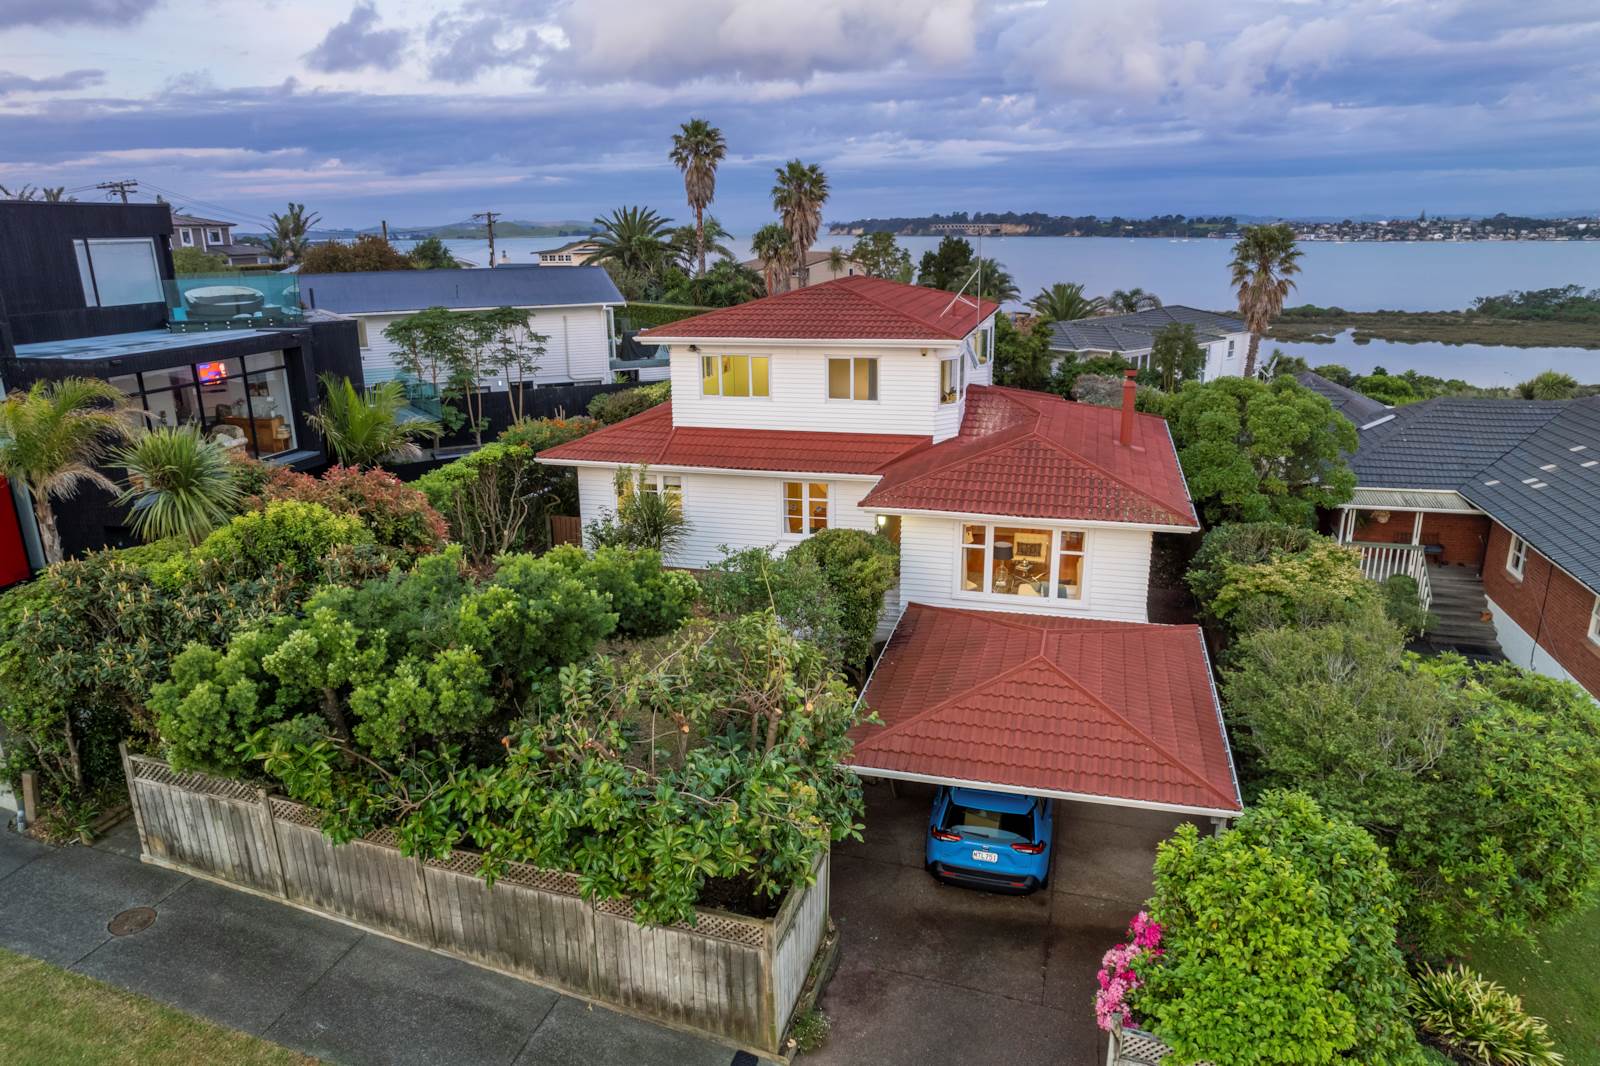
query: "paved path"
315, 985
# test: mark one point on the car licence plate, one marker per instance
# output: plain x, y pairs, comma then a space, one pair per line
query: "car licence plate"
985, 856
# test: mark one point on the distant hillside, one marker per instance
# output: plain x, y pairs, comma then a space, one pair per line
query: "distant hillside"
1036, 223
458, 231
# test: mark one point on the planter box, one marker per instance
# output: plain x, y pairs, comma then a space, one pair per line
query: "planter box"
1135, 1047
726, 975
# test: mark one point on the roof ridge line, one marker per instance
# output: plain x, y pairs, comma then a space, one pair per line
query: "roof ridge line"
1177, 512
926, 711
886, 307
1136, 731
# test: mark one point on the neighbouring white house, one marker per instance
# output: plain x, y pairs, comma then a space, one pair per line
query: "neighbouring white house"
1020, 656
1224, 338
572, 254
572, 308
819, 267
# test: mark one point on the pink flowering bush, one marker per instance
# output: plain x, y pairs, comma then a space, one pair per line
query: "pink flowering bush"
1117, 976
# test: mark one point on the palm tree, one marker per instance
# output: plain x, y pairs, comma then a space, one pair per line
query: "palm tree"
179, 483
837, 260
1065, 301
690, 242
798, 196
1264, 260
635, 239
696, 150
365, 428
771, 245
1131, 301
52, 436
994, 282
287, 242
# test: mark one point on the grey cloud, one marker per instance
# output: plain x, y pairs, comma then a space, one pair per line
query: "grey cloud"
357, 43
72, 79
467, 45
46, 12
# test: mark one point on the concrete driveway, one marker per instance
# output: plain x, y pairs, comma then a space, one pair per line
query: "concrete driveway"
935, 974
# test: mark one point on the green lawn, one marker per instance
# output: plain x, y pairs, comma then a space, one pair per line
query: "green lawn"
51, 1017
1558, 980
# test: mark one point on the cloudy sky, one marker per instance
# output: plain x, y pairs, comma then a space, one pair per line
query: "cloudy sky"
423, 111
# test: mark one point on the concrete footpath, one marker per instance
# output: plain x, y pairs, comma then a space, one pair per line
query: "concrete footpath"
311, 984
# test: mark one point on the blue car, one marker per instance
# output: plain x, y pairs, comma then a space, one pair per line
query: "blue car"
992, 840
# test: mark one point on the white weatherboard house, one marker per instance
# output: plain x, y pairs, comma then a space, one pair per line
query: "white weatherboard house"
1021, 657
572, 307
1223, 337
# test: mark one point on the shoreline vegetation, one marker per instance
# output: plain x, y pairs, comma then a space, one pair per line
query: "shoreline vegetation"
1566, 316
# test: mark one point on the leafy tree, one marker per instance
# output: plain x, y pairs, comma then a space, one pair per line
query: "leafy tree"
772, 246
697, 149
180, 484
1177, 356
430, 253
1280, 365
1277, 943
1265, 260
1022, 358
727, 283
685, 245
994, 282
881, 257
1254, 451
510, 349
633, 244
860, 569
367, 252
647, 598
1388, 389
51, 439
1243, 544
1064, 302
196, 261
1549, 385
365, 428
948, 266
498, 499
435, 346
797, 196
291, 233
1069, 368
1130, 301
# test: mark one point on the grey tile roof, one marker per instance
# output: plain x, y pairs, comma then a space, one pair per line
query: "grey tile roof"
1137, 331
1353, 405
1495, 453
414, 290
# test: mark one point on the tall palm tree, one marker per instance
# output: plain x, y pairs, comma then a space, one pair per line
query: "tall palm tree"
798, 196
1130, 301
635, 239
1065, 301
179, 483
994, 282
696, 150
365, 428
290, 230
1264, 260
709, 237
52, 436
771, 245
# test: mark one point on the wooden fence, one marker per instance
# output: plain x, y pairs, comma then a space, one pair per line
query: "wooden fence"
727, 975
566, 529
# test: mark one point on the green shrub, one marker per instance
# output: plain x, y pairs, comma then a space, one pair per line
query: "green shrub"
1244, 543
646, 598
860, 568
612, 407
1478, 1021
1278, 943
399, 516
643, 519
288, 535
1321, 584
542, 433
498, 499
1402, 602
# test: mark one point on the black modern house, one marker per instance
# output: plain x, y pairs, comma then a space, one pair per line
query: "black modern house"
88, 290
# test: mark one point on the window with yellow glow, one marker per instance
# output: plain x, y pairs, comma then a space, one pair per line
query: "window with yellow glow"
805, 507
734, 375
1022, 561
853, 379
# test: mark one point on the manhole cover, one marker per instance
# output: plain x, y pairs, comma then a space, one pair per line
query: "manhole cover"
132, 920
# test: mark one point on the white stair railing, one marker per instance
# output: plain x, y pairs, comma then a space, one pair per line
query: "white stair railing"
1379, 562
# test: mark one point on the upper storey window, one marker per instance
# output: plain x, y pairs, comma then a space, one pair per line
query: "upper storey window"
952, 374
852, 379
735, 375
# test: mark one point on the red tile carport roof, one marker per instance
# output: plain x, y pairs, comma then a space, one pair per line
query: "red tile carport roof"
1120, 711
854, 308
650, 438
1035, 455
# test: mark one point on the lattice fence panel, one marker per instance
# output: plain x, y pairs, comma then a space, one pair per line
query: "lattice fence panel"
191, 781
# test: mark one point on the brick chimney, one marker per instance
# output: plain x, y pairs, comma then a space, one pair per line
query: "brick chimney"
1129, 391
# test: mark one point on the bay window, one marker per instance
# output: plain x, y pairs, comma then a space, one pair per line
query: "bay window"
734, 375
805, 507
949, 380
1022, 561
852, 379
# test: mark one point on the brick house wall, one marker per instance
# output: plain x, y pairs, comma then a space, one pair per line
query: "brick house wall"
1548, 604
1462, 536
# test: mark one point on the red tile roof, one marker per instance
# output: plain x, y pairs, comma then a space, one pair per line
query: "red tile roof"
1035, 455
650, 437
855, 308
1121, 710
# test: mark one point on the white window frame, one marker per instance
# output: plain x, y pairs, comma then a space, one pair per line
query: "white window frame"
187, 236
1517, 557
988, 595
668, 485
981, 344
719, 394
214, 236
827, 378
362, 340
956, 378
1594, 621
806, 499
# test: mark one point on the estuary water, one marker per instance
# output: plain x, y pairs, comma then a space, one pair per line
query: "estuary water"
1358, 276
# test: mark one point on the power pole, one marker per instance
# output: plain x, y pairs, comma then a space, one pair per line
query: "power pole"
489, 217
119, 188
385, 224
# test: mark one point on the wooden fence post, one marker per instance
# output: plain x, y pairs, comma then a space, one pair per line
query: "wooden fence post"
30, 797
270, 828
133, 797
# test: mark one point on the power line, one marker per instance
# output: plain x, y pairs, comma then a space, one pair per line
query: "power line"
489, 217
247, 216
119, 188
